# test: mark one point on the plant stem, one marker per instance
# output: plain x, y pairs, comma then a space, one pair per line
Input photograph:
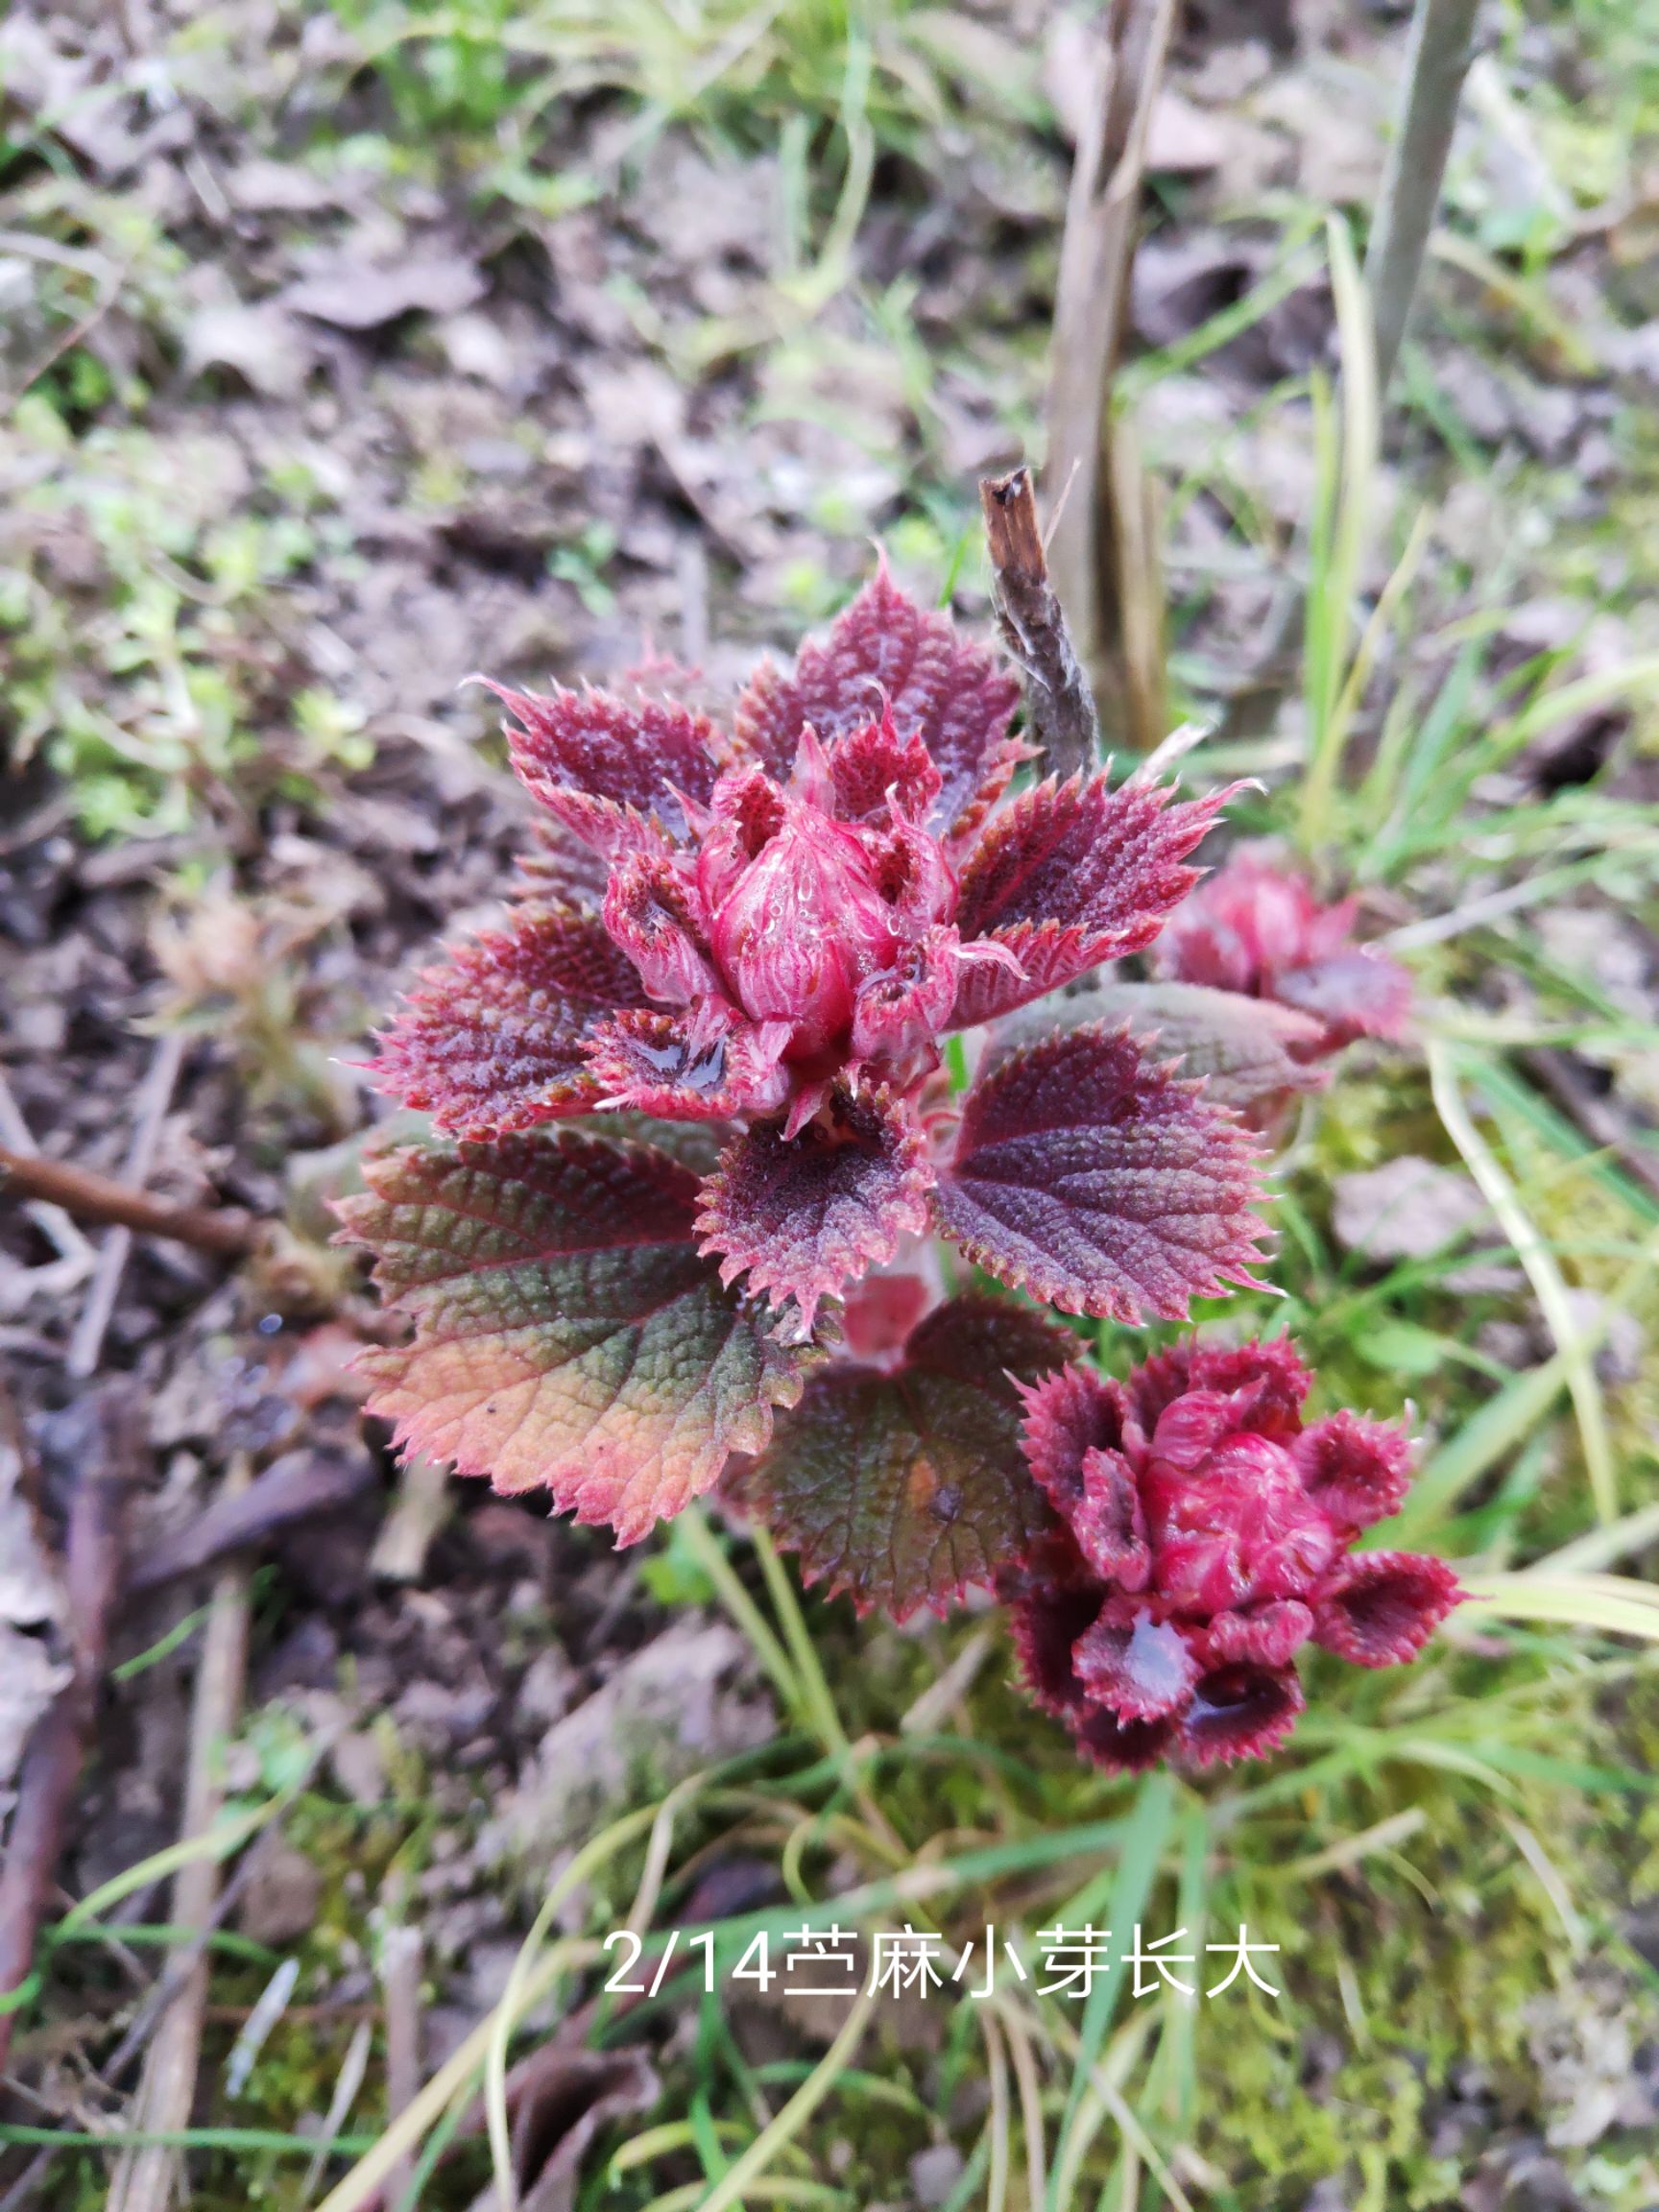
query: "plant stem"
1576, 1352
1438, 57
705, 1548
88, 1196
57, 1747
1082, 476
167, 2091
1033, 626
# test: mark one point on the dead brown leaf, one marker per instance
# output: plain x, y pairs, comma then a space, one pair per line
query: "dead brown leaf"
352, 296
559, 2099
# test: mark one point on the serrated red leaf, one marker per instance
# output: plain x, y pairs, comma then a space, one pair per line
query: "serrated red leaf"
1138, 1667
1269, 1635
1046, 1627
804, 1216
1123, 1747
901, 1010
679, 1069
1042, 956
1073, 873
1099, 1182
612, 769
653, 913
870, 764
561, 871
1068, 1414
566, 1333
1240, 1711
493, 1041
1248, 1050
1202, 1537
1264, 1384
1384, 1606
1356, 1470
903, 1489
938, 686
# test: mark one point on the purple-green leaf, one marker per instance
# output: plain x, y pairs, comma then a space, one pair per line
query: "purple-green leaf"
902, 1488
804, 1216
566, 1333
1101, 1182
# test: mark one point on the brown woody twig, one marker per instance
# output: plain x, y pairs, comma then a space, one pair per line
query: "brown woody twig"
88, 1196
86, 1344
146, 2181
1100, 542
53, 1756
1033, 626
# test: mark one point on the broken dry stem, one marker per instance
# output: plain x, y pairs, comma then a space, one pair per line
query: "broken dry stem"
147, 2180
1088, 551
53, 1758
88, 1196
1032, 624
1436, 63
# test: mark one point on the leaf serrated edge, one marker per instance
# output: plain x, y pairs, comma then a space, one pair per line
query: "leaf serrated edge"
876, 1254
938, 1602
563, 1140
525, 909
782, 1381
1251, 1151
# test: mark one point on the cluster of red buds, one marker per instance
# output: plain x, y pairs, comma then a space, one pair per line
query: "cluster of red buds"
1202, 1536
1252, 929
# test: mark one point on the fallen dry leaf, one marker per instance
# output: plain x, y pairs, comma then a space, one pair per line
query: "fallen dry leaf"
351, 297
299, 1486
560, 2098
260, 342
30, 1598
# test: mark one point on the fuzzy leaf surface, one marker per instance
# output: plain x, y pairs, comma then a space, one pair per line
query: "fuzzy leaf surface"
951, 693
1096, 1180
902, 1489
492, 1042
566, 1333
1245, 1048
804, 1215
604, 767
1073, 873
559, 871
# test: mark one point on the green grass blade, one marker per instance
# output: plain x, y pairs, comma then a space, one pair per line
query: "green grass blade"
1127, 1888
1541, 1272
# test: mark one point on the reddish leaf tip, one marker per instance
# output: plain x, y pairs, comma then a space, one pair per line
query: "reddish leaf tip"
1255, 929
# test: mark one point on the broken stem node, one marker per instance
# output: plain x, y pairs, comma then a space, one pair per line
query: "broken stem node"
1033, 626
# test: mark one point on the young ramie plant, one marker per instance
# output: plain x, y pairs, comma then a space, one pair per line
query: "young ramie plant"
736, 974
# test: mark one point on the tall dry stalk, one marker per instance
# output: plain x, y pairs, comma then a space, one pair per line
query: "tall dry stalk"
1438, 57
1101, 554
